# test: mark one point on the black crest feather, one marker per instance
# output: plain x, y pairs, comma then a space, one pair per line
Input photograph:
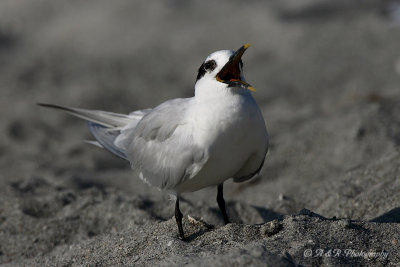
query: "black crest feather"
201, 72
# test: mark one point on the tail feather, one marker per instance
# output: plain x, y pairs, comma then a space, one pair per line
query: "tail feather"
94, 143
104, 118
104, 126
106, 137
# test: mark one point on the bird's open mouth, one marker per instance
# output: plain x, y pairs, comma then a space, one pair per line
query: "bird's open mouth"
230, 73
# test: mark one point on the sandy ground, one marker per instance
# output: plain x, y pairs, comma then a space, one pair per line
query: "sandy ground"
327, 76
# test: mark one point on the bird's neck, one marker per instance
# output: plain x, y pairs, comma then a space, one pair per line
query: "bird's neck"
208, 90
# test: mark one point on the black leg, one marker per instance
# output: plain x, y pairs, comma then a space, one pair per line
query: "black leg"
178, 217
221, 203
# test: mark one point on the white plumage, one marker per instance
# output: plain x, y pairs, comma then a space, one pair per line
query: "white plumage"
184, 145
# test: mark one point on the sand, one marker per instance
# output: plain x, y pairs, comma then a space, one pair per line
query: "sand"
327, 77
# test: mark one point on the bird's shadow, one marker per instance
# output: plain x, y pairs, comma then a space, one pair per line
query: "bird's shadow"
269, 215
246, 214
264, 215
197, 234
392, 216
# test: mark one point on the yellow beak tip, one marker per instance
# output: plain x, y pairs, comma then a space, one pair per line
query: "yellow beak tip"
251, 88
247, 45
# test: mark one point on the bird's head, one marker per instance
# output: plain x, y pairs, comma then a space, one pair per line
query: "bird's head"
224, 69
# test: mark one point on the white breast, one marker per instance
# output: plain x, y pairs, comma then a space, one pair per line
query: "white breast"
231, 129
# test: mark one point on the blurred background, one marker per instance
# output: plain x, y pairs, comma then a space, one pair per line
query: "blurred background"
327, 75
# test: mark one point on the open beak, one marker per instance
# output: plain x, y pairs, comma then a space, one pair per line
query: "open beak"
230, 73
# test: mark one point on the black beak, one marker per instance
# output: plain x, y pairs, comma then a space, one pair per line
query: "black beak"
230, 73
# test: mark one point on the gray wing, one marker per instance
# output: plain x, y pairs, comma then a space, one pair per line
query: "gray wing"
110, 129
106, 139
116, 139
162, 148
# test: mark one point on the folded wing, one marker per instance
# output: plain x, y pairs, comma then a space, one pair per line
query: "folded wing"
162, 147
158, 142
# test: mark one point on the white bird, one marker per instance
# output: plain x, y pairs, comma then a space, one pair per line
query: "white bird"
186, 144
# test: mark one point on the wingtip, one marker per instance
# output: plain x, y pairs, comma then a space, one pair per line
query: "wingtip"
52, 106
45, 105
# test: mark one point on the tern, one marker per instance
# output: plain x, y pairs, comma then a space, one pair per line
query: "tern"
186, 144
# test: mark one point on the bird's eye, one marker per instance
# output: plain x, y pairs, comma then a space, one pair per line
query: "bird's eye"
210, 65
